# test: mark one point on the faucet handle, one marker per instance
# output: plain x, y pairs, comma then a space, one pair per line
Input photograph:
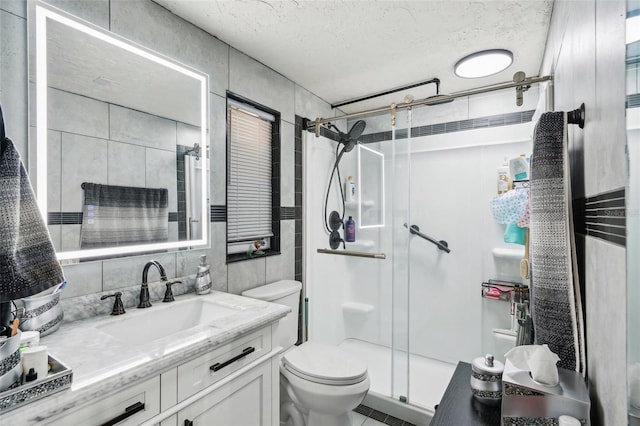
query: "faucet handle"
118, 307
168, 294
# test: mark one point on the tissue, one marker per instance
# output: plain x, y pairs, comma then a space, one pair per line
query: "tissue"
538, 360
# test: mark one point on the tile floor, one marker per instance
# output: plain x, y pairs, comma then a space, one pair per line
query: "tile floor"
365, 416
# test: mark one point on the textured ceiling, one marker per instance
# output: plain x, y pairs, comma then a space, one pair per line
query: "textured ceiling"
343, 49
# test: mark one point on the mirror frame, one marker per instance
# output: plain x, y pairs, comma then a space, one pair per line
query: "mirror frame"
40, 12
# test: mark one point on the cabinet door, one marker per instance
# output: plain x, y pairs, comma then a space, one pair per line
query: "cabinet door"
242, 402
204, 371
130, 406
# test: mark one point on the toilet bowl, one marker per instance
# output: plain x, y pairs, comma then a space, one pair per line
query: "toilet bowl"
322, 383
319, 383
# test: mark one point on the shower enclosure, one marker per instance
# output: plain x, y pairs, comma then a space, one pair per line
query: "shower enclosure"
424, 180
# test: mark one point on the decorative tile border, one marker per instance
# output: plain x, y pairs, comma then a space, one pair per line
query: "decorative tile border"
75, 218
453, 126
602, 216
218, 213
633, 101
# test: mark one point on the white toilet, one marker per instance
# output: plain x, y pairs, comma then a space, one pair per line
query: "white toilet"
319, 384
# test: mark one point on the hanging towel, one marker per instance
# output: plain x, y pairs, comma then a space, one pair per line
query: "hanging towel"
123, 215
28, 263
555, 300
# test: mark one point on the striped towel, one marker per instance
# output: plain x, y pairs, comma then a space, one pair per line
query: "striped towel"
28, 263
555, 288
123, 215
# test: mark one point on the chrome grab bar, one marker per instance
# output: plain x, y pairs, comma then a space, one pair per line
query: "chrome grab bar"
354, 253
442, 244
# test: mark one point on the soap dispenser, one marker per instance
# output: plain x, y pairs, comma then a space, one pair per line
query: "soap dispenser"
203, 277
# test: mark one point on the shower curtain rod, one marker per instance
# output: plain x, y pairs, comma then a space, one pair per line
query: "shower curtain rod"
523, 85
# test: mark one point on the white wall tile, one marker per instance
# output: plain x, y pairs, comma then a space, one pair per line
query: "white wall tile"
606, 354
13, 76
127, 125
54, 171
308, 105
85, 160
94, 11
245, 275
160, 172
77, 114
16, 7
126, 164
255, 81
432, 114
125, 272
158, 29
287, 164
501, 102
71, 237
218, 150
218, 256
82, 278
55, 232
282, 267
605, 156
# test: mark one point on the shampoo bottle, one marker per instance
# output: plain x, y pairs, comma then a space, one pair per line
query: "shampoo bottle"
350, 189
350, 230
503, 178
203, 277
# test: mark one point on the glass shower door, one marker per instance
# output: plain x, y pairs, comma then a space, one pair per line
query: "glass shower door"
400, 186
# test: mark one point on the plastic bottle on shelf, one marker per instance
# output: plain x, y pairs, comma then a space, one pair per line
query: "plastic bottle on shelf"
350, 189
519, 168
504, 183
350, 230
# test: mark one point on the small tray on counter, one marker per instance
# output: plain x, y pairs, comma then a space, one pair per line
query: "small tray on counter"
59, 378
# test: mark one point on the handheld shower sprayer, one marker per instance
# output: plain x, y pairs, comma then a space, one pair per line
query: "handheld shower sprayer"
347, 141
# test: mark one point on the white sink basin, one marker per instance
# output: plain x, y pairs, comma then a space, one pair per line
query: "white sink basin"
161, 320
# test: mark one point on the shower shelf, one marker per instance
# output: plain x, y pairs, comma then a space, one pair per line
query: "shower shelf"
353, 253
364, 203
360, 245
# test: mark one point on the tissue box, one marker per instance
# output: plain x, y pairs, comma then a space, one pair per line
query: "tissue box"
525, 402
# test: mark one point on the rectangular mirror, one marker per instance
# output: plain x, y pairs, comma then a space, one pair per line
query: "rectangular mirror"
371, 194
120, 141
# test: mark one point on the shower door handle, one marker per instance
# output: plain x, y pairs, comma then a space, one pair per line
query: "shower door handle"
442, 244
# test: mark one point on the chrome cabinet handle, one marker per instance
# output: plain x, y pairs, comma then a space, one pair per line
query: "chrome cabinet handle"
220, 366
128, 412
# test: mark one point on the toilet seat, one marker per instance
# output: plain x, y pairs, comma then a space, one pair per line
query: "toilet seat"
324, 364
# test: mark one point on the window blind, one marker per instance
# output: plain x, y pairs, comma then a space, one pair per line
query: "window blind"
249, 176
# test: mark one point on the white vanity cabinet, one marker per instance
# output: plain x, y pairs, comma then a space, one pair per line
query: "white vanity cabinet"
235, 383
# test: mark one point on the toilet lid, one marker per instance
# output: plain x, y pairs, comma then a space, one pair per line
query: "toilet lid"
324, 364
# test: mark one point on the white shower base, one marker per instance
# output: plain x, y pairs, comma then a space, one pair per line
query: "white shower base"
428, 377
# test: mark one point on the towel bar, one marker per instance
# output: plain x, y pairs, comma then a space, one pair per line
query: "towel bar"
577, 116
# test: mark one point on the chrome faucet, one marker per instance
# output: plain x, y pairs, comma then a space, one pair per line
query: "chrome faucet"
144, 290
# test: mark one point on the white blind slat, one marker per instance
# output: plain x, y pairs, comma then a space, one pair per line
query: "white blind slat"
249, 175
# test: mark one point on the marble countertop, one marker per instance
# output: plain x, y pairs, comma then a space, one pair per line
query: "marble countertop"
102, 363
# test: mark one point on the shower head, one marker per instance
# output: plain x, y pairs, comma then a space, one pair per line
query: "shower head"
350, 139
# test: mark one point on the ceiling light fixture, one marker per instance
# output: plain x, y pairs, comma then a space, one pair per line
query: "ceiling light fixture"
484, 63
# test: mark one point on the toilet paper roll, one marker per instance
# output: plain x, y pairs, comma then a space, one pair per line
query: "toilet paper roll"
35, 357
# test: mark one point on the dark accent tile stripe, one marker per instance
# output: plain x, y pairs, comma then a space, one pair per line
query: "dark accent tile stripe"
454, 126
287, 213
602, 216
64, 218
218, 213
75, 218
633, 101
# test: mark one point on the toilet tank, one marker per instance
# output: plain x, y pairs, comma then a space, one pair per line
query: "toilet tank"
284, 292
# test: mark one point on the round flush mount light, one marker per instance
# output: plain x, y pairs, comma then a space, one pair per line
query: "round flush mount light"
484, 63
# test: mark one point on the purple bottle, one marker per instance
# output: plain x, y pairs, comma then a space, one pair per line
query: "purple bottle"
350, 230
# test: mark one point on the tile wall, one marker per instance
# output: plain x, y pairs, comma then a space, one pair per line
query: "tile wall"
586, 54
